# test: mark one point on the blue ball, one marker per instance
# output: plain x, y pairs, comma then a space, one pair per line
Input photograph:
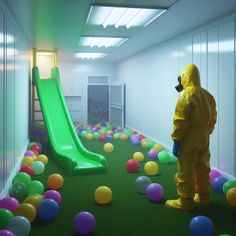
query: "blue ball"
201, 226
218, 183
48, 209
109, 137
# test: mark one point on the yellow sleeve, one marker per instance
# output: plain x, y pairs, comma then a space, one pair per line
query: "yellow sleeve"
181, 117
214, 116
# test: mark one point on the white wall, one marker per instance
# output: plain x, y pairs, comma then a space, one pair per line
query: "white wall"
74, 77
150, 78
14, 97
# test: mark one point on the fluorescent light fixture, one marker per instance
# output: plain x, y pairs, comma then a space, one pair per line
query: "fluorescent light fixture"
89, 55
101, 41
45, 53
122, 16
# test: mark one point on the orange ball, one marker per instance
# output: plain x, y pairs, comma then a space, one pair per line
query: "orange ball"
55, 181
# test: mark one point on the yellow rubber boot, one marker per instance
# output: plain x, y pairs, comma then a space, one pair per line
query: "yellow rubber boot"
181, 204
202, 199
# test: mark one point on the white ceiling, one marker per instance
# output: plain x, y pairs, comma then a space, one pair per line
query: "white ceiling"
50, 24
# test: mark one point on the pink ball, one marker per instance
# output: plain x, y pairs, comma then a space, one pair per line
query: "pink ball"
9, 203
53, 194
102, 138
213, 174
132, 165
29, 153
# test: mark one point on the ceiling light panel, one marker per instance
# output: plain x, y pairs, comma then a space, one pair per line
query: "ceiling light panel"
89, 55
122, 16
101, 41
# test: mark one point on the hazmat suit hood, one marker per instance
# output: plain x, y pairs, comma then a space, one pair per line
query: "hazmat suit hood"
190, 76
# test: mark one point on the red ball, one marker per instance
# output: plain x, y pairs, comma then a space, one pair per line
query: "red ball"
35, 152
27, 169
132, 165
102, 138
35, 147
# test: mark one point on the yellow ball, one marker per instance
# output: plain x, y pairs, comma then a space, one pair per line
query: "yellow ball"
231, 196
144, 144
27, 210
27, 161
123, 137
34, 200
151, 168
138, 156
89, 136
108, 147
42, 158
158, 147
103, 195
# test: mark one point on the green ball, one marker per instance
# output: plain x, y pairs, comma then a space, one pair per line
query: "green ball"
228, 185
21, 177
34, 187
164, 157
116, 135
18, 191
173, 159
150, 144
96, 135
5, 216
83, 133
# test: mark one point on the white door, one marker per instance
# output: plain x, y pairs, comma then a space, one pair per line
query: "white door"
116, 104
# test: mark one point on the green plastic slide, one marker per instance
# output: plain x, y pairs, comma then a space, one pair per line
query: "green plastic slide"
67, 148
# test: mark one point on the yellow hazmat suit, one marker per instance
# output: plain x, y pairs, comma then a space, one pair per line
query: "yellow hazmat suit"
194, 121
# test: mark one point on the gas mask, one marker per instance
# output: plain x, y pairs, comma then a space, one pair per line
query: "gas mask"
179, 87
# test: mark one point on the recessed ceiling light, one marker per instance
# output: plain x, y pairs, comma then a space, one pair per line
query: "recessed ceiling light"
101, 41
122, 16
89, 55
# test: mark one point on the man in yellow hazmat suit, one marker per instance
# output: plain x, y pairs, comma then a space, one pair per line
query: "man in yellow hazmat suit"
194, 121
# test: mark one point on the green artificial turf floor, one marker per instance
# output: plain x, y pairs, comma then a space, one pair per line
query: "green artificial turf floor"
129, 213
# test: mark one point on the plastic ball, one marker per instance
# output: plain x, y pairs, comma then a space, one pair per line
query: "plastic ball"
152, 154
29, 153
158, 147
96, 135
124, 137
141, 184
116, 136
150, 144
228, 185
43, 158
19, 225
6, 233
108, 147
109, 136
27, 210
151, 168
138, 156
103, 195
84, 223
55, 181
155, 192
144, 143
35, 147
132, 166
9, 203
201, 225
214, 173
38, 167
34, 187
28, 170
53, 194
135, 142
34, 200
164, 157
102, 138
218, 183
21, 177
27, 161
231, 196
18, 191
89, 136
48, 209
83, 133
5, 216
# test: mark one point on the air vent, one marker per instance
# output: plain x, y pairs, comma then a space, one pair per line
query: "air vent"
98, 80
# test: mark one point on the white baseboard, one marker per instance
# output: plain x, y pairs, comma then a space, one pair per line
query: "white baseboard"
5, 191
